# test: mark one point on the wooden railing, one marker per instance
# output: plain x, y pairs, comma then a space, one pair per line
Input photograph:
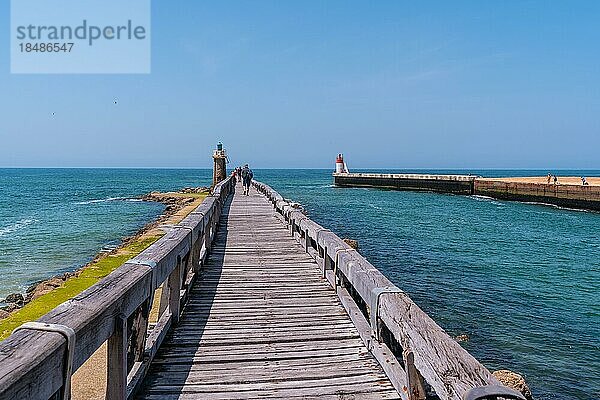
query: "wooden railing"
35, 363
417, 354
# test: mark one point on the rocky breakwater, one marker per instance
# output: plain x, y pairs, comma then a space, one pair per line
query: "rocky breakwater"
15, 301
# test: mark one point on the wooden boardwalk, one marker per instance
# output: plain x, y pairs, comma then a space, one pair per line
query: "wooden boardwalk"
245, 312
261, 322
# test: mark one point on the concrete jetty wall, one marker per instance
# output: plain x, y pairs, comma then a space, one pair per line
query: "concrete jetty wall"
458, 184
571, 196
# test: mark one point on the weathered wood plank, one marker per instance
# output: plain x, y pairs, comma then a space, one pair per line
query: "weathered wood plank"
345, 384
308, 323
361, 392
232, 367
326, 343
176, 354
268, 374
261, 321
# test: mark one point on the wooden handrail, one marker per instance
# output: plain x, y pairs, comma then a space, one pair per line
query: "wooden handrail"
115, 310
428, 354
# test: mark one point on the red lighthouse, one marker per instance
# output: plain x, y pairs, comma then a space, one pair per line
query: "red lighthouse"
340, 165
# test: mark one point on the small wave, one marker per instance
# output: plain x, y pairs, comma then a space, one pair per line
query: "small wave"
23, 223
486, 199
537, 203
83, 203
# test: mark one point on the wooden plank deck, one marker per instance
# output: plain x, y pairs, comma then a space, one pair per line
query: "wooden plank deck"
262, 323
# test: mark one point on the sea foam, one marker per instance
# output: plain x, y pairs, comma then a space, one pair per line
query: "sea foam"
83, 203
20, 224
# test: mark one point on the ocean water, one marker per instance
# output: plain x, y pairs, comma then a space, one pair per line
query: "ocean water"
55, 220
521, 280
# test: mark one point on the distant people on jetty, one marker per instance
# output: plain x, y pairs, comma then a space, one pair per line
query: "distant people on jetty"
247, 176
553, 178
237, 173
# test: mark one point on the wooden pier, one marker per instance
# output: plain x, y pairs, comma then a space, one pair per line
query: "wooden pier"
262, 322
255, 301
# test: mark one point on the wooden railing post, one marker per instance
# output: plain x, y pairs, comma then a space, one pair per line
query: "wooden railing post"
139, 330
116, 379
215, 219
413, 377
327, 264
164, 299
306, 240
208, 234
174, 286
195, 254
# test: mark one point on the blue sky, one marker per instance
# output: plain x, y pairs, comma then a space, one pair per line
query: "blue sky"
392, 84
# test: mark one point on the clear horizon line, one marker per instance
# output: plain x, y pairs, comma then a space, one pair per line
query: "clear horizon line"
332, 168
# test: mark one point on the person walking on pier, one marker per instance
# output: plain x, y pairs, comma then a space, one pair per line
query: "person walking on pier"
247, 176
238, 174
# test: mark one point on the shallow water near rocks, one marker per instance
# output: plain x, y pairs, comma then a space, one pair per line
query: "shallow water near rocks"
522, 281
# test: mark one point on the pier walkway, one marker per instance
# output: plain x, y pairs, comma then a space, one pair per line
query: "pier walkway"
247, 298
262, 322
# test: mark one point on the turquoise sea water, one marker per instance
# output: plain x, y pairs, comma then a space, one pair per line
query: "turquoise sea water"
522, 280
55, 220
